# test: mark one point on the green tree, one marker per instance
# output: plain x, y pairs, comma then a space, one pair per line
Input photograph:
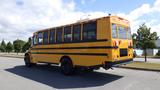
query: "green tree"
18, 44
2, 49
3, 46
26, 45
134, 40
9, 47
144, 39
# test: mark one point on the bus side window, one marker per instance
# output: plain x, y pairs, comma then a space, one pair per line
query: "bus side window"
34, 41
89, 31
67, 34
59, 35
52, 36
45, 37
76, 32
40, 38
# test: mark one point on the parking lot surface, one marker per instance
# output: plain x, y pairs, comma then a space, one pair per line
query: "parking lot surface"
15, 76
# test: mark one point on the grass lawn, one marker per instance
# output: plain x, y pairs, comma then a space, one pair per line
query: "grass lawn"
144, 65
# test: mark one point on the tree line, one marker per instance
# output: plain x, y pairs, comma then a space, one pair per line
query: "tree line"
16, 46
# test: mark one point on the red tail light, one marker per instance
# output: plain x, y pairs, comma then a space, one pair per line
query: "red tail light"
116, 43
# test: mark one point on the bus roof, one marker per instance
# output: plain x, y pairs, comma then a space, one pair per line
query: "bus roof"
84, 21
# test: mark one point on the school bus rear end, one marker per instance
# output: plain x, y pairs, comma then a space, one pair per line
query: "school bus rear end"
121, 40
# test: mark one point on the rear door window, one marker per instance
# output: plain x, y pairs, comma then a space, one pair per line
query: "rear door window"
114, 31
122, 32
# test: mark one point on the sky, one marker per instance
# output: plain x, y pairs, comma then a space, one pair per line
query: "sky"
19, 19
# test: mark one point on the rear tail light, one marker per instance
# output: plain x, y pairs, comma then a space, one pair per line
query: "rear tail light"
116, 43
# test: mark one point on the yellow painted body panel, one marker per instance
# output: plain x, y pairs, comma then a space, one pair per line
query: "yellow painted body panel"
103, 32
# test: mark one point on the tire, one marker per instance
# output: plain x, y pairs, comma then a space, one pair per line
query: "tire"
27, 61
66, 66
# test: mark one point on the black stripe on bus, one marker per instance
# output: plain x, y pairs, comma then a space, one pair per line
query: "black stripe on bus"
93, 47
93, 54
81, 41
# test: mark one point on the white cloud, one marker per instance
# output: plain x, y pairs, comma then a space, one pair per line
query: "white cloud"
20, 18
157, 5
83, 2
139, 16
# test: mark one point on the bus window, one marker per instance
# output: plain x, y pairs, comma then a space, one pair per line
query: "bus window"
67, 34
122, 32
34, 40
45, 37
59, 35
77, 32
52, 36
40, 38
114, 31
89, 31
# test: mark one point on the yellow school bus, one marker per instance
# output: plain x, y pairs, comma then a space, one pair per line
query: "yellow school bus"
90, 44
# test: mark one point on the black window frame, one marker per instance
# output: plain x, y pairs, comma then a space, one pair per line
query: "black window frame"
52, 38
67, 31
45, 38
89, 27
59, 33
76, 30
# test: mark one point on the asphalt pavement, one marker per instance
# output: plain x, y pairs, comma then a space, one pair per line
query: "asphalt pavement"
15, 76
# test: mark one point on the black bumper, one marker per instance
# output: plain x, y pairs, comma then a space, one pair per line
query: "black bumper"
116, 63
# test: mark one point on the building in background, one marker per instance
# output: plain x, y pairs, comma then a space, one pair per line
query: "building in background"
150, 52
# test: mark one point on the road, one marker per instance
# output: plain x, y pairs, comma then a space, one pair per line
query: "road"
15, 76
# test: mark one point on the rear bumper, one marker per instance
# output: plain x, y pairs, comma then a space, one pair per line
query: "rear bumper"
107, 64
116, 63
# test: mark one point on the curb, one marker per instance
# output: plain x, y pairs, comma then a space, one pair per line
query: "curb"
144, 69
12, 56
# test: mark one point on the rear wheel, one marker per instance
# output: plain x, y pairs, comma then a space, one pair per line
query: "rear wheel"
28, 61
66, 66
